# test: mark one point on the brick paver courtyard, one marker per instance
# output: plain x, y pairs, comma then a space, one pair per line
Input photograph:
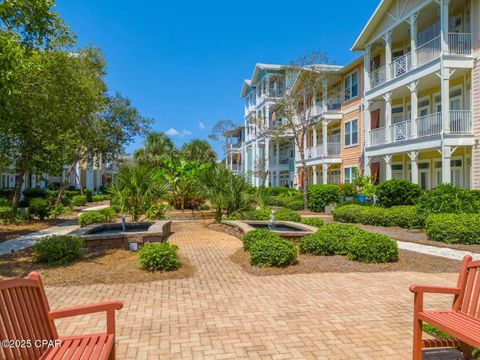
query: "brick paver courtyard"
223, 313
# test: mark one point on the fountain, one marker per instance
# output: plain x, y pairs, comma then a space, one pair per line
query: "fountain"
271, 221
123, 223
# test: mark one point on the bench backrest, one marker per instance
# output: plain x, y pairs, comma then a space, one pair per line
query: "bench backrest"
24, 316
469, 281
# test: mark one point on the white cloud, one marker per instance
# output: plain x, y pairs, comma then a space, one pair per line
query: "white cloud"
174, 132
201, 125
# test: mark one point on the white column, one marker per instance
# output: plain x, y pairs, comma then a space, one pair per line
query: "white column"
324, 137
325, 173
446, 157
445, 96
367, 171
413, 87
414, 166
413, 38
388, 53
368, 121
366, 67
314, 170
388, 115
325, 95
444, 22
388, 167
256, 164
314, 130
267, 162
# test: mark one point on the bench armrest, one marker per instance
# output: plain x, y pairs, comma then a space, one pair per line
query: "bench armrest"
107, 306
434, 289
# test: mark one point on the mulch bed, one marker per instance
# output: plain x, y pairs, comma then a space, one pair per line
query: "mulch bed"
105, 266
409, 261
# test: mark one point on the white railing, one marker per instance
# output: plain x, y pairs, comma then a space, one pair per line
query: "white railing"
429, 51
334, 104
401, 65
378, 76
429, 124
377, 136
460, 43
310, 152
333, 149
401, 131
461, 121
319, 150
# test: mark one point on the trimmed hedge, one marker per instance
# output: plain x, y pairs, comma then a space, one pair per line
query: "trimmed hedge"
255, 235
331, 239
8, 215
273, 252
159, 256
316, 222
294, 204
286, 215
261, 214
39, 207
454, 228
96, 217
397, 192
448, 198
79, 200
403, 216
322, 195
58, 250
372, 248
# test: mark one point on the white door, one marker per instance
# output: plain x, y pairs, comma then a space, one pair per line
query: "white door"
424, 175
456, 171
437, 173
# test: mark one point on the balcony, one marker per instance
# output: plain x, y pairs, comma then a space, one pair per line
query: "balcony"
428, 125
333, 150
458, 44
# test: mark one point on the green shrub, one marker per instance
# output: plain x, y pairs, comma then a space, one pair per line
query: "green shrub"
372, 248
348, 189
79, 200
281, 190
5, 202
159, 256
397, 192
284, 214
32, 193
203, 207
255, 235
316, 222
273, 252
58, 210
294, 204
448, 199
39, 207
454, 228
278, 201
91, 217
404, 216
331, 239
322, 195
347, 213
88, 194
8, 215
343, 233
373, 215
260, 214
109, 213
59, 250
98, 198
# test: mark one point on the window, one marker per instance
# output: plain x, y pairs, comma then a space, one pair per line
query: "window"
349, 174
351, 133
351, 86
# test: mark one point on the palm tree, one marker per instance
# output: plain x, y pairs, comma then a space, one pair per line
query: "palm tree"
139, 191
199, 151
157, 148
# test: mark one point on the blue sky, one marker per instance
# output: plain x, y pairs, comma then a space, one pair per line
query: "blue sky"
183, 62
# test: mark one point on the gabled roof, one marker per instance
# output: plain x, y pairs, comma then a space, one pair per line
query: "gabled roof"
371, 25
259, 67
246, 85
326, 68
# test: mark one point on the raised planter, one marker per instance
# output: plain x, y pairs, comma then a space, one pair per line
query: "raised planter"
111, 235
287, 229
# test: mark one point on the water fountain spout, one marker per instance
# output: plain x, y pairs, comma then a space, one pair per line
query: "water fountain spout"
271, 221
123, 223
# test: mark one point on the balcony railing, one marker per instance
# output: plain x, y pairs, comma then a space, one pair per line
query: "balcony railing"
377, 136
333, 149
428, 125
283, 161
460, 43
401, 131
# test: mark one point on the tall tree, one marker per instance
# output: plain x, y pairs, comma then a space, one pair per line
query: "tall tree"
220, 132
296, 106
157, 149
199, 151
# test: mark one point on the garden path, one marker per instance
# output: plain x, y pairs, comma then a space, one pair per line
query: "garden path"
222, 312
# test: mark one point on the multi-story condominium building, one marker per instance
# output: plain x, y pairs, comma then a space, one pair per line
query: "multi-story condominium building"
408, 108
233, 151
422, 92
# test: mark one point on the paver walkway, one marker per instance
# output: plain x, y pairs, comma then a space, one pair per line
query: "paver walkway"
223, 313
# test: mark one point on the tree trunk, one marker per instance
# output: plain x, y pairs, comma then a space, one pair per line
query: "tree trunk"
65, 182
19, 179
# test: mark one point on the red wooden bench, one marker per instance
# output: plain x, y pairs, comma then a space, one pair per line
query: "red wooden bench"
462, 321
26, 320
